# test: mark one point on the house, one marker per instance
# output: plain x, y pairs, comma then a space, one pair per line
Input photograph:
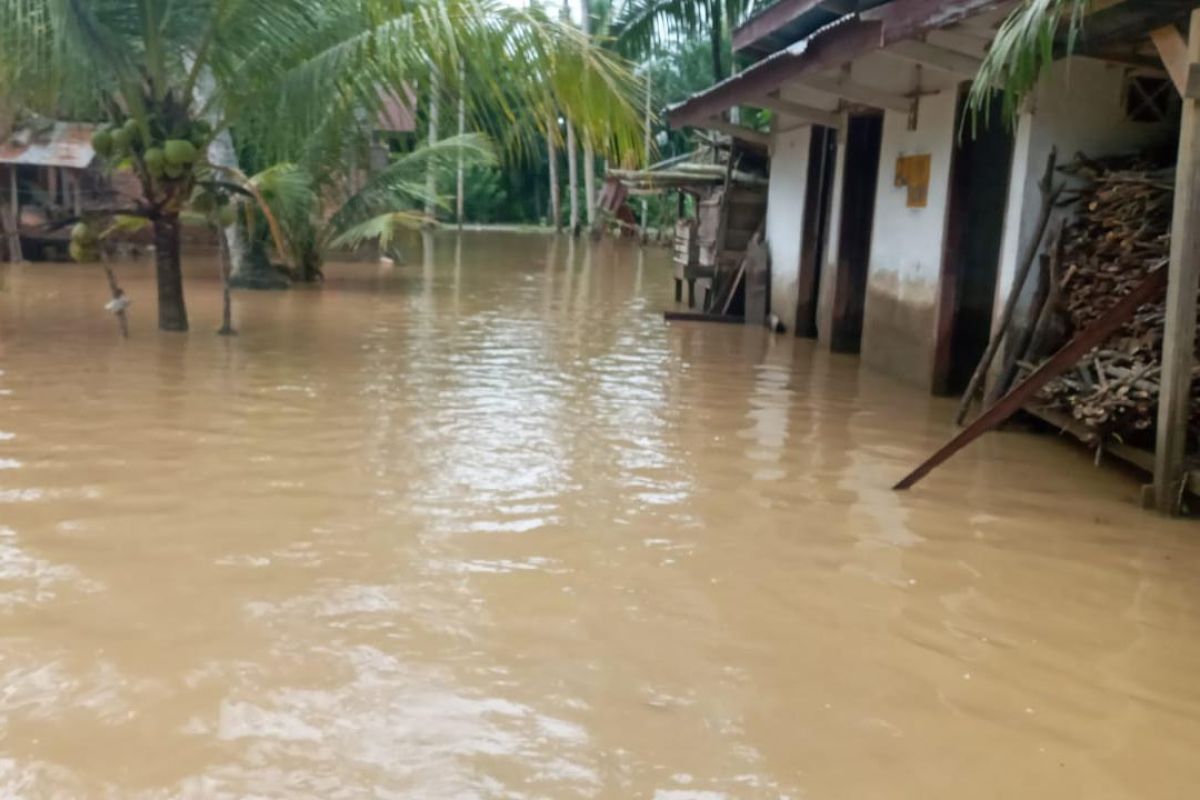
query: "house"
49, 172
895, 231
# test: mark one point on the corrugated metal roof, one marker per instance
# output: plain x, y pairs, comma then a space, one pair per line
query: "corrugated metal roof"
67, 144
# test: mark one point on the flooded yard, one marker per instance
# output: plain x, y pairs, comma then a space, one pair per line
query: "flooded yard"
481, 525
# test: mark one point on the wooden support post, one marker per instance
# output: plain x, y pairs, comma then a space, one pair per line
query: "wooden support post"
1174, 404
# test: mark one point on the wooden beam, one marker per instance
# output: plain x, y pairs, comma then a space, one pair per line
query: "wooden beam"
736, 131
939, 58
1064, 359
1173, 50
1175, 396
817, 116
769, 20
855, 93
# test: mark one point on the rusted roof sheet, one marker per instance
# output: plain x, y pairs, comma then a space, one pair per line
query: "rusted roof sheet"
67, 144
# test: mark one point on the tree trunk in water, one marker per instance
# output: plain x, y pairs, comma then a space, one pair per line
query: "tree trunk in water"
172, 313
589, 181
589, 156
552, 162
462, 129
222, 154
259, 272
573, 177
646, 143
435, 89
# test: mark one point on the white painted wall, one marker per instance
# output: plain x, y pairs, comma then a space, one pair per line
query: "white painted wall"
785, 219
906, 245
1079, 107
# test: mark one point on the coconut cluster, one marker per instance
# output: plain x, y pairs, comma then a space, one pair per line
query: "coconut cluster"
168, 155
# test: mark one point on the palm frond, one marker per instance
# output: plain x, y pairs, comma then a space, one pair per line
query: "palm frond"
403, 187
379, 229
1023, 49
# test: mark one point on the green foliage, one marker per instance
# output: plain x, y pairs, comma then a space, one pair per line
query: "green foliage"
1023, 49
296, 76
484, 197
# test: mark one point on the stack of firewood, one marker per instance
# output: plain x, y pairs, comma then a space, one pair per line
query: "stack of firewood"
1121, 233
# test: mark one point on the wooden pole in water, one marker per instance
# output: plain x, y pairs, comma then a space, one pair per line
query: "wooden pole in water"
223, 260
1174, 403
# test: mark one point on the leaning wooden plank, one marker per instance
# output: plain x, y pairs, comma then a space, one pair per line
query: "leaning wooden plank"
695, 316
1050, 195
1064, 359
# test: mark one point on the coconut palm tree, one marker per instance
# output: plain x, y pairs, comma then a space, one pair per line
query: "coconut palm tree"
284, 72
640, 23
1023, 49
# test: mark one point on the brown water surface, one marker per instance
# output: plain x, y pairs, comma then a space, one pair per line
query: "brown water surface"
483, 526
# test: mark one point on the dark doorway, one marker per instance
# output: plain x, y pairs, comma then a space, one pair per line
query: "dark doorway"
818, 191
864, 135
979, 175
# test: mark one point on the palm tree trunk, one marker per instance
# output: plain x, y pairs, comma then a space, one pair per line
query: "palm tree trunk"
589, 155
222, 154
431, 173
646, 142
172, 312
714, 40
552, 162
462, 129
573, 177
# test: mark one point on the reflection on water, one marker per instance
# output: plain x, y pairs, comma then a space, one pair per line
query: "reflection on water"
481, 525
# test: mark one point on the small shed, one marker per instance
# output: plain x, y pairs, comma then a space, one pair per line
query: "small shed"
45, 174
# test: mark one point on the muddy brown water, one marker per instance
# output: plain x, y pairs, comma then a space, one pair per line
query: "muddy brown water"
482, 525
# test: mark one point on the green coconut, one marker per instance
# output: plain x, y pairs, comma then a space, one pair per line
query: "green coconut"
155, 160
83, 233
226, 215
120, 142
173, 171
83, 253
179, 151
102, 142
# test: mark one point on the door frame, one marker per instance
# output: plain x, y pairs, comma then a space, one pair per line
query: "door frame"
953, 241
814, 233
856, 226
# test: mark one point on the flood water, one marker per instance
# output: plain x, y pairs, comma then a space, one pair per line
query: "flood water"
481, 525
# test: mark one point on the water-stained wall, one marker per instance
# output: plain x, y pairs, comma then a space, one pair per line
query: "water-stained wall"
906, 247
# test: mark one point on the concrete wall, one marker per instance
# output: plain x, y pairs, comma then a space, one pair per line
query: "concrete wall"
785, 217
906, 246
1079, 107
